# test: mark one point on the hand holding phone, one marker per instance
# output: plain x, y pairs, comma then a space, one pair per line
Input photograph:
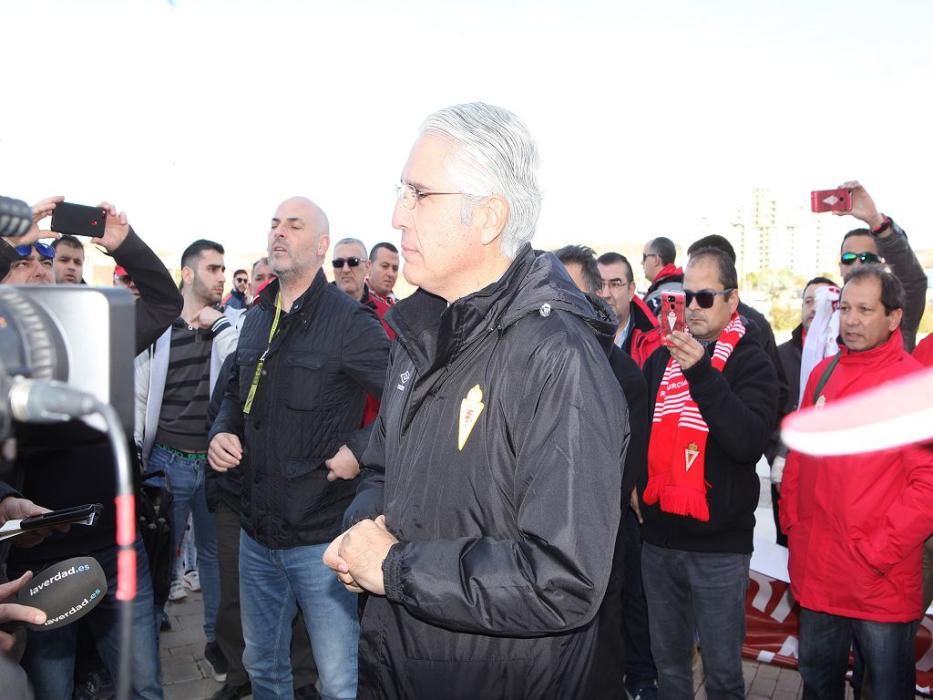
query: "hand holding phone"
82, 515
61, 520
837, 200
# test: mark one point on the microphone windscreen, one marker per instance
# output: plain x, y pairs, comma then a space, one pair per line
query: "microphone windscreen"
65, 592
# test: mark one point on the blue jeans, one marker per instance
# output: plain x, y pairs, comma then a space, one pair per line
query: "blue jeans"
702, 592
886, 647
49, 660
186, 482
273, 582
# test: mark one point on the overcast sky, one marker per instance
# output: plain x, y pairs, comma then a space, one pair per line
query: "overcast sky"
198, 117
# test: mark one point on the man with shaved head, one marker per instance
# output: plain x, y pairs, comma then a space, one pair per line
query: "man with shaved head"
307, 356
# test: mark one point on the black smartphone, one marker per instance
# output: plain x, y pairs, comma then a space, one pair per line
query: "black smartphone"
79, 220
84, 515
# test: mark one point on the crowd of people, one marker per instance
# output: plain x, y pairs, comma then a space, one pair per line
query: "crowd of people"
524, 480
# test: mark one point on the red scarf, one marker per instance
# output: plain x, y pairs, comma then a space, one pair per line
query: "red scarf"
677, 447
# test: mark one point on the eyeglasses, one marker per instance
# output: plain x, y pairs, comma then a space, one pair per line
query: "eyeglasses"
645, 256
850, 258
352, 262
240, 280
705, 297
409, 196
614, 283
43, 249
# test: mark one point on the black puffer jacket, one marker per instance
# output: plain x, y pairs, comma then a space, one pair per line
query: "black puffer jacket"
507, 529
329, 352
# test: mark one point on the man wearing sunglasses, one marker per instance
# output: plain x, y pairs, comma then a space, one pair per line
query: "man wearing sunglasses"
883, 241
236, 299
72, 465
31, 264
657, 261
714, 406
351, 266
856, 523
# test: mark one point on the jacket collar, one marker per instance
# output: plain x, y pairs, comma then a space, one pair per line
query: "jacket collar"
433, 333
308, 298
882, 355
796, 337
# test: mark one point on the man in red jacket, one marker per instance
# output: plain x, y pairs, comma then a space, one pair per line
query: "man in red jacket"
856, 524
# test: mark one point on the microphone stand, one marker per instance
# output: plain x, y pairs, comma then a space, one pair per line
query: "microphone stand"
49, 401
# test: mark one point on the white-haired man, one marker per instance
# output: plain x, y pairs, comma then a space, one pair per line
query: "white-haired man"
491, 493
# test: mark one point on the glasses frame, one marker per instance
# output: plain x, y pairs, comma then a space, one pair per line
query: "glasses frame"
352, 261
710, 294
44, 250
409, 195
614, 283
861, 257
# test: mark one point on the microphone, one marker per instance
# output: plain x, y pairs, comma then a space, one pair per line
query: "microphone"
48, 401
15, 217
65, 592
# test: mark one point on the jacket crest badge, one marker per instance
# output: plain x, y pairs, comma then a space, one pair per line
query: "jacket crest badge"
470, 409
691, 453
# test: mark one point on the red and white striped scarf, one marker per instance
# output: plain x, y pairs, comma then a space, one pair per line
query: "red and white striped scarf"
677, 446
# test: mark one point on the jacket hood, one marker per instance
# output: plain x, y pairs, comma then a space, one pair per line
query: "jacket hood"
668, 273
535, 282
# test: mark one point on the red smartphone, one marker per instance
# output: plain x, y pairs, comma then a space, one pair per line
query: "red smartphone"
672, 313
831, 200
79, 220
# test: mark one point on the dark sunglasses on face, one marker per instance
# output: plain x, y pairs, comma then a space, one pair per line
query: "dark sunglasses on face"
44, 250
850, 258
352, 262
705, 297
240, 280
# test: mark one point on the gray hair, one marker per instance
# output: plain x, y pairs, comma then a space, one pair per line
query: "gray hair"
353, 241
494, 154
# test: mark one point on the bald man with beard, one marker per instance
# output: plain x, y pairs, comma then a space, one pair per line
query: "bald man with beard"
307, 356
